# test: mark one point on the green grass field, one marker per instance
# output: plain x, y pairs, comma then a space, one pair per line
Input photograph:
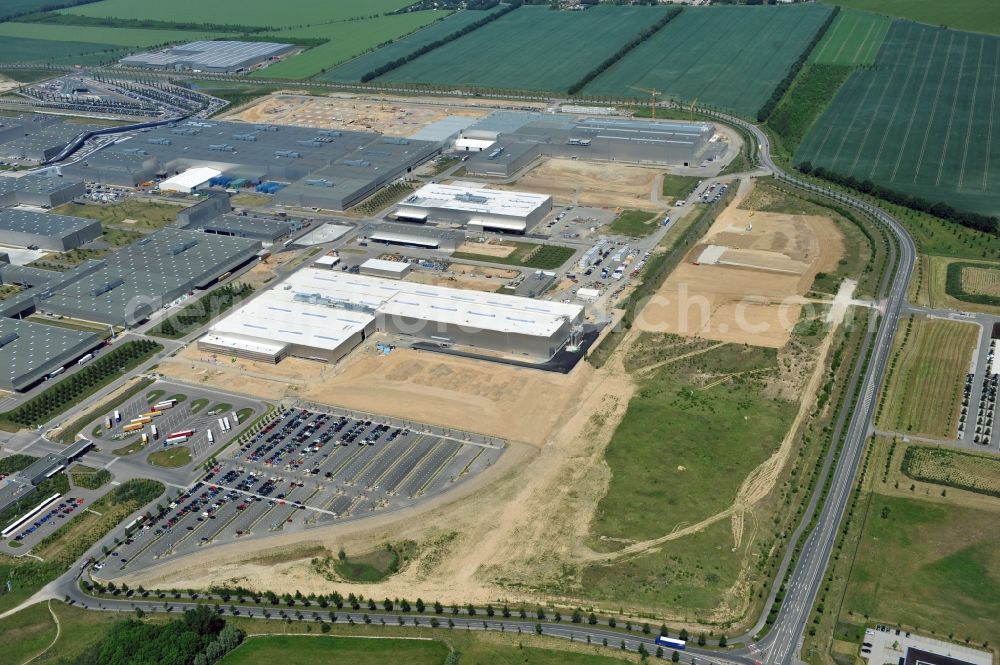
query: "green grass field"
531, 48
953, 468
808, 97
146, 215
98, 35
975, 15
730, 57
678, 186
173, 457
922, 390
928, 565
636, 223
21, 49
662, 477
548, 257
291, 650
358, 67
347, 39
921, 121
241, 12
853, 39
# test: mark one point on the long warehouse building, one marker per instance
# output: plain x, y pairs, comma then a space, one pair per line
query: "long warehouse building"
31, 351
476, 208
322, 315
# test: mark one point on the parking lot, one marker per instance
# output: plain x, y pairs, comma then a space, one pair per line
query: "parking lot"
305, 469
201, 412
68, 506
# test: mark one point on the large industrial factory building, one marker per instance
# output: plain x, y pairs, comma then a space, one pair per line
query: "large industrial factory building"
322, 315
475, 208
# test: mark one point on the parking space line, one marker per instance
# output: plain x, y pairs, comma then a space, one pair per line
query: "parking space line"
397, 462
440, 468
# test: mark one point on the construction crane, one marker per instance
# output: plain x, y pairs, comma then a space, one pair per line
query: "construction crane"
653, 93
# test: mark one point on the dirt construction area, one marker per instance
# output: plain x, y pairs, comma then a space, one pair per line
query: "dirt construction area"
598, 184
745, 281
464, 276
348, 112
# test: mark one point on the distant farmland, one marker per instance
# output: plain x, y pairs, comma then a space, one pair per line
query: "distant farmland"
98, 35
730, 57
923, 121
853, 39
347, 39
531, 48
18, 49
355, 69
241, 12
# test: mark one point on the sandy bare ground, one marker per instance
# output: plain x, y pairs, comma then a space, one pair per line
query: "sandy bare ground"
498, 249
394, 117
8, 84
465, 276
754, 294
598, 184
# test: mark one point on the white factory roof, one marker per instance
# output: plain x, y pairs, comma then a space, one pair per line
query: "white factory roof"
386, 266
190, 179
322, 309
473, 144
475, 199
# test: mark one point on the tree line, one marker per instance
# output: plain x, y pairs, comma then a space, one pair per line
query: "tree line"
765, 111
53, 18
623, 51
940, 209
427, 48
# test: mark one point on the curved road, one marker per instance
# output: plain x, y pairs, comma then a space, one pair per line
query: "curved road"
781, 644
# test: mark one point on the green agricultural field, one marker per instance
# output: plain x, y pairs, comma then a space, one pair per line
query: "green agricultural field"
346, 40
922, 121
531, 48
853, 39
354, 69
909, 546
923, 386
636, 223
99, 35
678, 186
661, 478
241, 12
730, 57
975, 15
543, 257
810, 94
17, 7
20, 49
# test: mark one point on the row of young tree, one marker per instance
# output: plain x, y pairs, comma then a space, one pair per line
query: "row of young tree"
623, 51
940, 209
427, 48
765, 111
53, 401
199, 637
202, 311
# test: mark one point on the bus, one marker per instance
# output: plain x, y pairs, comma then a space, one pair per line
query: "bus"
670, 643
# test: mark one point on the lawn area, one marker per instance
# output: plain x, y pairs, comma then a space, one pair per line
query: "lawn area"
373, 566
713, 54
131, 448
173, 457
909, 546
148, 216
8, 290
346, 40
543, 257
853, 39
241, 12
249, 200
531, 48
975, 15
636, 223
26, 634
198, 404
678, 186
292, 650
665, 477
920, 121
89, 477
99, 35
923, 387
354, 69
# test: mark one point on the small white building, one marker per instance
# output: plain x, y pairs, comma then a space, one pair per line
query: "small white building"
387, 269
189, 180
476, 208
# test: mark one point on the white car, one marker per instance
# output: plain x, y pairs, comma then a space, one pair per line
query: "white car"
680, 203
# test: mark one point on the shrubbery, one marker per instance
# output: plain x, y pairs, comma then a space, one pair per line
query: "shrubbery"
202, 311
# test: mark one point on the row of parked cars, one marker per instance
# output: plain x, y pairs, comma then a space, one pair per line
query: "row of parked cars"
58, 512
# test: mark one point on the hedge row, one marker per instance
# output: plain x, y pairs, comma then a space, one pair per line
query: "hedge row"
623, 51
940, 209
953, 285
906, 468
765, 111
427, 48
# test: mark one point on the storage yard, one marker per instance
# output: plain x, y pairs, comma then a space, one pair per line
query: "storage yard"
307, 469
745, 280
920, 120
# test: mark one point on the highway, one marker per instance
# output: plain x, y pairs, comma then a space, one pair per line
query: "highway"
781, 645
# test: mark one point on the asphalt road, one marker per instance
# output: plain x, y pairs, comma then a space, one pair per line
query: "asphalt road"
781, 644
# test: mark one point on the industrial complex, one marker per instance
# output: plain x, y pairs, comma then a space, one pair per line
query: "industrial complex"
60, 233
31, 351
210, 56
322, 315
476, 208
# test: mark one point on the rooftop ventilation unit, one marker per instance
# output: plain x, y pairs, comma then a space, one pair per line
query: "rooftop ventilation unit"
7, 339
183, 247
360, 163
583, 142
134, 151
104, 288
184, 131
245, 137
311, 143
395, 140
320, 182
495, 153
155, 141
291, 154
266, 128
332, 133
466, 197
222, 147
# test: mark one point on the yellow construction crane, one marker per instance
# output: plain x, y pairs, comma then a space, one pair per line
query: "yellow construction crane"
653, 93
